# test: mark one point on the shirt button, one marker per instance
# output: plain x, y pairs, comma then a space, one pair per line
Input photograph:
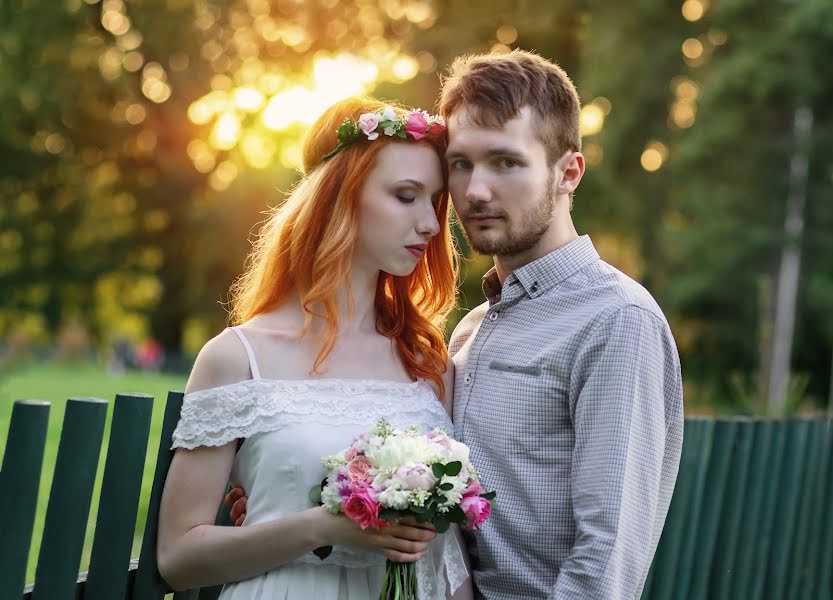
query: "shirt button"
467, 378
493, 316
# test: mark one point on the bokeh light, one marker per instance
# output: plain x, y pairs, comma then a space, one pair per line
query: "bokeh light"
654, 156
692, 48
592, 116
506, 34
693, 10
226, 132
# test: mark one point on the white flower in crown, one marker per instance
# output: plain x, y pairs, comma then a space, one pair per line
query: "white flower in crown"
388, 114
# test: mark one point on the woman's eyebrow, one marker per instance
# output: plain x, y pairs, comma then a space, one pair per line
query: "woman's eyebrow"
417, 184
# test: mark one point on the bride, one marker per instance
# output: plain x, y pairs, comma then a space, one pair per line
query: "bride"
339, 322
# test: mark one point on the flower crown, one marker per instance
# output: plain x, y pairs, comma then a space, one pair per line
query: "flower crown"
416, 124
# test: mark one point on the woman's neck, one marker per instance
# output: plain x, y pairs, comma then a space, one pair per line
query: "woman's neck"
363, 283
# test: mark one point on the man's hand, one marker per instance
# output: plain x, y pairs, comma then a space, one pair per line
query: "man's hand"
235, 500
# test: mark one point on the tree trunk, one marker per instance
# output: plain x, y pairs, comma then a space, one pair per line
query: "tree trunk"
787, 290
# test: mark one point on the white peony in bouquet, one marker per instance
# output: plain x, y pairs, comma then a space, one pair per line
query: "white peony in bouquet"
386, 474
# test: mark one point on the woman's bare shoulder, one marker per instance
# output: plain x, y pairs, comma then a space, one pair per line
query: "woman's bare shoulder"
221, 361
284, 323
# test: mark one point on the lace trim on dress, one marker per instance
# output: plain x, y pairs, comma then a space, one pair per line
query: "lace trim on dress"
217, 416
444, 558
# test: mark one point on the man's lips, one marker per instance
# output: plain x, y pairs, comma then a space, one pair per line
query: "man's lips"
417, 249
483, 218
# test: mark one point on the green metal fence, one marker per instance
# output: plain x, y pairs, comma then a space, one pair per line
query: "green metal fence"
751, 514
750, 518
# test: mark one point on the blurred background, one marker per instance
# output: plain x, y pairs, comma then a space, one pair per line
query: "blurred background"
141, 143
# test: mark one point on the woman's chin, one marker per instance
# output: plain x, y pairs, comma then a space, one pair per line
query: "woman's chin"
399, 270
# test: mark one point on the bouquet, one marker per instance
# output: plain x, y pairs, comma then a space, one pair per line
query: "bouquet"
386, 474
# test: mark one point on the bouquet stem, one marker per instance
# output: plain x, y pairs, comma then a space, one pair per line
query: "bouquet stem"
400, 581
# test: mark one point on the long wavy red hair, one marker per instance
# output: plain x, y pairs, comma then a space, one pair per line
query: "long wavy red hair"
306, 248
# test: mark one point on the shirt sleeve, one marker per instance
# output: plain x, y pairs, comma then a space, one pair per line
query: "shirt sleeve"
625, 387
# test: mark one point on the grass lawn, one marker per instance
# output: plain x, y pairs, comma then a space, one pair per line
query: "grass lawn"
56, 384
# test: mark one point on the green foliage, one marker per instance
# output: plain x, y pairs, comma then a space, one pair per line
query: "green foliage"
105, 220
710, 222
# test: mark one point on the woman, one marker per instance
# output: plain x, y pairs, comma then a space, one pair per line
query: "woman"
340, 312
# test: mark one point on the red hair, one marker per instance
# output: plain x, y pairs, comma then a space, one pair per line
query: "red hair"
306, 248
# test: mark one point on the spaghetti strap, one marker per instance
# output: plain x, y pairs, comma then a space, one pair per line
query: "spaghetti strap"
249, 352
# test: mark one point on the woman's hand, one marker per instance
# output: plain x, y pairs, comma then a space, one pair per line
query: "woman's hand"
403, 541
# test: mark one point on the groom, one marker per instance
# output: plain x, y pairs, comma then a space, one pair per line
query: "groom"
568, 388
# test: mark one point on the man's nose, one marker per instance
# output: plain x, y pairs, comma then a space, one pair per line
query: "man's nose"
478, 189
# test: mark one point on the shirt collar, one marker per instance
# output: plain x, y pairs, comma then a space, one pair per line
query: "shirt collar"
543, 273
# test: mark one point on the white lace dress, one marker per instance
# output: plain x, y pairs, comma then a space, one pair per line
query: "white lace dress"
288, 426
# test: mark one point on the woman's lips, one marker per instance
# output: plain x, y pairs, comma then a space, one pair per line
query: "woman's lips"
417, 250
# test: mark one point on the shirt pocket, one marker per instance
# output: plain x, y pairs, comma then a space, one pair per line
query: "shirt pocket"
536, 409
497, 365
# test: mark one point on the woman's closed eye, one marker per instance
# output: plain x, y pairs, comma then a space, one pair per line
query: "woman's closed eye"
405, 199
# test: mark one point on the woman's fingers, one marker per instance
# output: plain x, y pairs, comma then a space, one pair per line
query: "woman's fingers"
409, 532
401, 557
402, 546
411, 521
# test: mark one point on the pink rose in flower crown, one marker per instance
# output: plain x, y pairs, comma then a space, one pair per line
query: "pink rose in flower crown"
438, 126
416, 125
368, 123
476, 508
363, 509
357, 470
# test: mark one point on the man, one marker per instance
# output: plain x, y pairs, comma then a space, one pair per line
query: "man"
568, 387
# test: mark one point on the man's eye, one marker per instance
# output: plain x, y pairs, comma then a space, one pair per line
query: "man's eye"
507, 163
460, 164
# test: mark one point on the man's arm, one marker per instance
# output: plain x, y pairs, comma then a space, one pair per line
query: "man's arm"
626, 403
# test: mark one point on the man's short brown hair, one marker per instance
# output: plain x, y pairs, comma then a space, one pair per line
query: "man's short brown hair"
495, 87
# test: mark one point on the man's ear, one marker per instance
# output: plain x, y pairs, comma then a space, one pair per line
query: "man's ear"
572, 167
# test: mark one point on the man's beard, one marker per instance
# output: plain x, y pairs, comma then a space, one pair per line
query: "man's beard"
532, 226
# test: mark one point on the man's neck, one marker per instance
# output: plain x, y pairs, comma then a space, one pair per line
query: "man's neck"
561, 233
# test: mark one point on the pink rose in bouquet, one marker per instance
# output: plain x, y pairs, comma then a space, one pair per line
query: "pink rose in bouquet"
358, 469
476, 508
363, 509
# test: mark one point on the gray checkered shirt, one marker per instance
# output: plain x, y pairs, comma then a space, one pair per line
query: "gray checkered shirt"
568, 393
